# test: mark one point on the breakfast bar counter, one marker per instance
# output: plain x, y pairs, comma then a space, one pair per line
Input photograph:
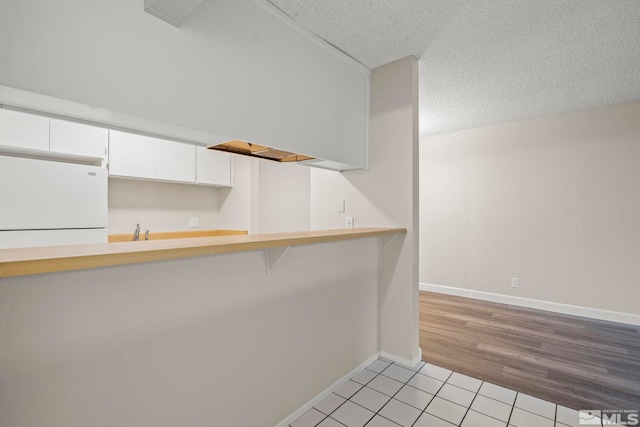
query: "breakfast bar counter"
27, 261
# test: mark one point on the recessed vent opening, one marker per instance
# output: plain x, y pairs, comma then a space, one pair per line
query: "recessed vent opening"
260, 151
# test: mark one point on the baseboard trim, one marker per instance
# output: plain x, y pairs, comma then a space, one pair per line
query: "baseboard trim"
410, 363
313, 402
575, 310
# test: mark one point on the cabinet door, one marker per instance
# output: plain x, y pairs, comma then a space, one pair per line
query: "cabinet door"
22, 130
132, 155
213, 167
77, 139
175, 161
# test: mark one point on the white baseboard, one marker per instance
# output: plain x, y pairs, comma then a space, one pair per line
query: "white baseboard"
313, 402
410, 363
575, 310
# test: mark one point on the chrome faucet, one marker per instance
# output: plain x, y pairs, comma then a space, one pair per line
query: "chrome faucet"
146, 235
136, 234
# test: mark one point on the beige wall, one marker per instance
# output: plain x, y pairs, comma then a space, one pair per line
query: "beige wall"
385, 195
553, 201
202, 341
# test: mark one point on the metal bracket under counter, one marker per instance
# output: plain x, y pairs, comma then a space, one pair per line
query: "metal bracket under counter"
386, 241
274, 256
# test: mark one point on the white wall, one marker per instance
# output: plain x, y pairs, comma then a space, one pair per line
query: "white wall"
236, 208
267, 197
283, 197
385, 195
160, 206
197, 342
553, 201
234, 68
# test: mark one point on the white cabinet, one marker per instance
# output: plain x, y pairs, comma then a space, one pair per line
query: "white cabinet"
213, 167
138, 156
25, 131
77, 139
51, 138
131, 155
175, 161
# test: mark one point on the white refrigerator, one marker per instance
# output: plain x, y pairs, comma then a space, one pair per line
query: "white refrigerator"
50, 203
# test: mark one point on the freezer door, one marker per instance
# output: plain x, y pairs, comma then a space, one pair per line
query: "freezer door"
42, 194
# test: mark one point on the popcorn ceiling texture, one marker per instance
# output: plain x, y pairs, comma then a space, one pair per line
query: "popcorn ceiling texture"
490, 61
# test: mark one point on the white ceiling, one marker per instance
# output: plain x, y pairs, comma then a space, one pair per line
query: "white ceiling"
490, 61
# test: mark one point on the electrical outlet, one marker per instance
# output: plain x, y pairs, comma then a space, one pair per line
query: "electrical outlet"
194, 222
349, 222
515, 282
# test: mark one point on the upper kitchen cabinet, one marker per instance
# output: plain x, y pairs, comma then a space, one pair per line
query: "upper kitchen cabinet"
175, 161
137, 156
24, 131
213, 167
77, 139
42, 137
132, 155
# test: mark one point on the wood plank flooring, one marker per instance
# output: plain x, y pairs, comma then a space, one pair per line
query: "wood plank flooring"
572, 361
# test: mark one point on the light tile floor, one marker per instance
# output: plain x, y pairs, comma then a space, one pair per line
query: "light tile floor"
385, 394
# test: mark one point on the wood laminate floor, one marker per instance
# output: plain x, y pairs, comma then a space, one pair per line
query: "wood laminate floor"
573, 361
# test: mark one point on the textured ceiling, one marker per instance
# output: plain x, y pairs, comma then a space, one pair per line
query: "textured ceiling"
491, 61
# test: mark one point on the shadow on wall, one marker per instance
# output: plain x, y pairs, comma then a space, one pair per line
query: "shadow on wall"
139, 194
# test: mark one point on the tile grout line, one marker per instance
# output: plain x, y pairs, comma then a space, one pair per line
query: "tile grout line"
403, 384
512, 408
377, 374
363, 386
345, 399
472, 400
424, 411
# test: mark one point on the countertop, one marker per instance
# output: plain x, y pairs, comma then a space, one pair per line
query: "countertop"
25, 261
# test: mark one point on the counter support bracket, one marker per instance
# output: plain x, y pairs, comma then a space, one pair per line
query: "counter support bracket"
385, 241
274, 256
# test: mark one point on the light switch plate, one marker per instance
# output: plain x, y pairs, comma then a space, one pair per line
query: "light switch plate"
194, 222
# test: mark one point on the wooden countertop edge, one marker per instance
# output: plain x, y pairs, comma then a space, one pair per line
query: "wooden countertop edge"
26, 261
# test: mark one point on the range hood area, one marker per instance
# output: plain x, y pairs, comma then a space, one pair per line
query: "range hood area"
274, 154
